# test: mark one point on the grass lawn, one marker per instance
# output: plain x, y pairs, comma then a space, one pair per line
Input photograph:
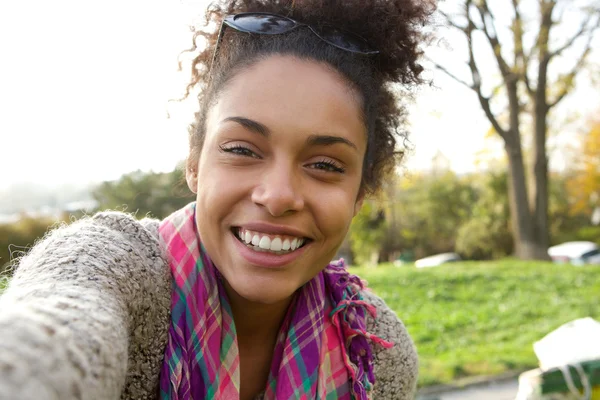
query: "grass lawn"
481, 318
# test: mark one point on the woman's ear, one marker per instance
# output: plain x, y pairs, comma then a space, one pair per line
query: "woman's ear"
191, 177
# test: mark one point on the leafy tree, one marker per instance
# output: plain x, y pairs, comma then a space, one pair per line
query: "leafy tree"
154, 194
426, 211
565, 223
584, 185
525, 61
487, 233
367, 233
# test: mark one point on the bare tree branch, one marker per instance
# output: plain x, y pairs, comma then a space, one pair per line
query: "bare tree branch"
583, 29
484, 101
451, 75
485, 104
568, 85
546, 9
521, 58
586, 29
489, 30
451, 22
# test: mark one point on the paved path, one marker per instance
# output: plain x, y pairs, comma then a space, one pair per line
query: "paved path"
503, 390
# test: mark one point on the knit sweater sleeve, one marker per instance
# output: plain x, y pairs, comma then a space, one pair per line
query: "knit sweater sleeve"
396, 369
83, 313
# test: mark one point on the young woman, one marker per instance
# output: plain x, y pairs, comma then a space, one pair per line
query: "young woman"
235, 296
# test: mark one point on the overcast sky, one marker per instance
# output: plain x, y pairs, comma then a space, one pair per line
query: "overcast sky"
84, 87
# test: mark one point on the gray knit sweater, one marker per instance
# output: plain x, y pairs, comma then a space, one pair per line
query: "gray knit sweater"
86, 316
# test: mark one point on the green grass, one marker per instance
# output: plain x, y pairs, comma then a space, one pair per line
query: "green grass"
481, 318
3, 283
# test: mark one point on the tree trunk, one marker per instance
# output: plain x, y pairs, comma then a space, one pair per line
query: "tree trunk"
523, 233
521, 217
539, 202
526, 243
539, 199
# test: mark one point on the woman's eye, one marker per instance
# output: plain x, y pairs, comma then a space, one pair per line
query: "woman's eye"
240, 151
328, 166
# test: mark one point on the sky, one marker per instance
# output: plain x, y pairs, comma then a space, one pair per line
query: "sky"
85, 89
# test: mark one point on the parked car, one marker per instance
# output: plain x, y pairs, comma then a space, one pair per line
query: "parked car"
576, 253
438, 259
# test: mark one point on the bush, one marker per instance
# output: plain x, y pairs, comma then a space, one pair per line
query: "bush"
17, 238
483, 239
589, 233
487, 233
367, 233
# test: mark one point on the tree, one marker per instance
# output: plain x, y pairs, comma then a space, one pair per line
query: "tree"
423, 212
584, 185
367, 233
154, 194
527, 87
487, 234
566, 222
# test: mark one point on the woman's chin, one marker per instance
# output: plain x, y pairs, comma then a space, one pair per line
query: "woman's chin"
262, 293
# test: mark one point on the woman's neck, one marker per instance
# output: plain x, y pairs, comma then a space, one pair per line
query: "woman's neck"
257, 326
256, 323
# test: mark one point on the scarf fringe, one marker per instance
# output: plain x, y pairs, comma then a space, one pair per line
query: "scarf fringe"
348, 317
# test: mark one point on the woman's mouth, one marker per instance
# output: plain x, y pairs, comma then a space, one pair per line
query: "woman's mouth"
274, 244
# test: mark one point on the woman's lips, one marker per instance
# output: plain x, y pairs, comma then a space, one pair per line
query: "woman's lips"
266, 259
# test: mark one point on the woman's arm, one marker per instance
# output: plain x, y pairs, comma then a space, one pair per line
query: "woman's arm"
83, 313
396, 369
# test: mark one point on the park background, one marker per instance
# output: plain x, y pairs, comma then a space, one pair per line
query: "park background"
88, 124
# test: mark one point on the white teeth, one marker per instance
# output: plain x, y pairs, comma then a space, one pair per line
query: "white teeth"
265, 243
276, 244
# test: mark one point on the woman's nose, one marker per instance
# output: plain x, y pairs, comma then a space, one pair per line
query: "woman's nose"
279, 191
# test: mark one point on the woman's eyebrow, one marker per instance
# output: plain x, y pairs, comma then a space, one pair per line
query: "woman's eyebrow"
328, 140
313, 140
249, 124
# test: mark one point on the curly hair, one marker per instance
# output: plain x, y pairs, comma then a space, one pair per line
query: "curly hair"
393, 27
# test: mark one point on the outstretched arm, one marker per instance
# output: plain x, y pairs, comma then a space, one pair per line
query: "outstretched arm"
78, 305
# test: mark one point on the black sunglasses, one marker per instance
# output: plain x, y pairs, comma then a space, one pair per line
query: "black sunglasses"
273, 24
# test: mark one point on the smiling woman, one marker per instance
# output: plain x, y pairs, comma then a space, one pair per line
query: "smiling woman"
279, 171
235, 296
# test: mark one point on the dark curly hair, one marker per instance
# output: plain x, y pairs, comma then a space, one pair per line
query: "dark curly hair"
394, 27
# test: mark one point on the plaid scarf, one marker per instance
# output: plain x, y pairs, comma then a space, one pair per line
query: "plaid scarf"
321, 352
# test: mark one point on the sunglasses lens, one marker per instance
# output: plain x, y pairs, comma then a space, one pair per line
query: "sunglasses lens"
344, 40
272, 24
262, 23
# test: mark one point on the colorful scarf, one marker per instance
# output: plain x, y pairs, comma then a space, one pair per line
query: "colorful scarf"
321, 352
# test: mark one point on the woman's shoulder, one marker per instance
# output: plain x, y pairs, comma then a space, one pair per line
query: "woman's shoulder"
396, 369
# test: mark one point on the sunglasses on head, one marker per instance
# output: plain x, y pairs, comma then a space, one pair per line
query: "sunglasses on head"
273, 24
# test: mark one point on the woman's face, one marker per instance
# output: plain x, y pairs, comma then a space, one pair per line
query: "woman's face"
279, 175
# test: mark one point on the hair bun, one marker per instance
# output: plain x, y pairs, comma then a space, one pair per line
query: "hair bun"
393, 27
